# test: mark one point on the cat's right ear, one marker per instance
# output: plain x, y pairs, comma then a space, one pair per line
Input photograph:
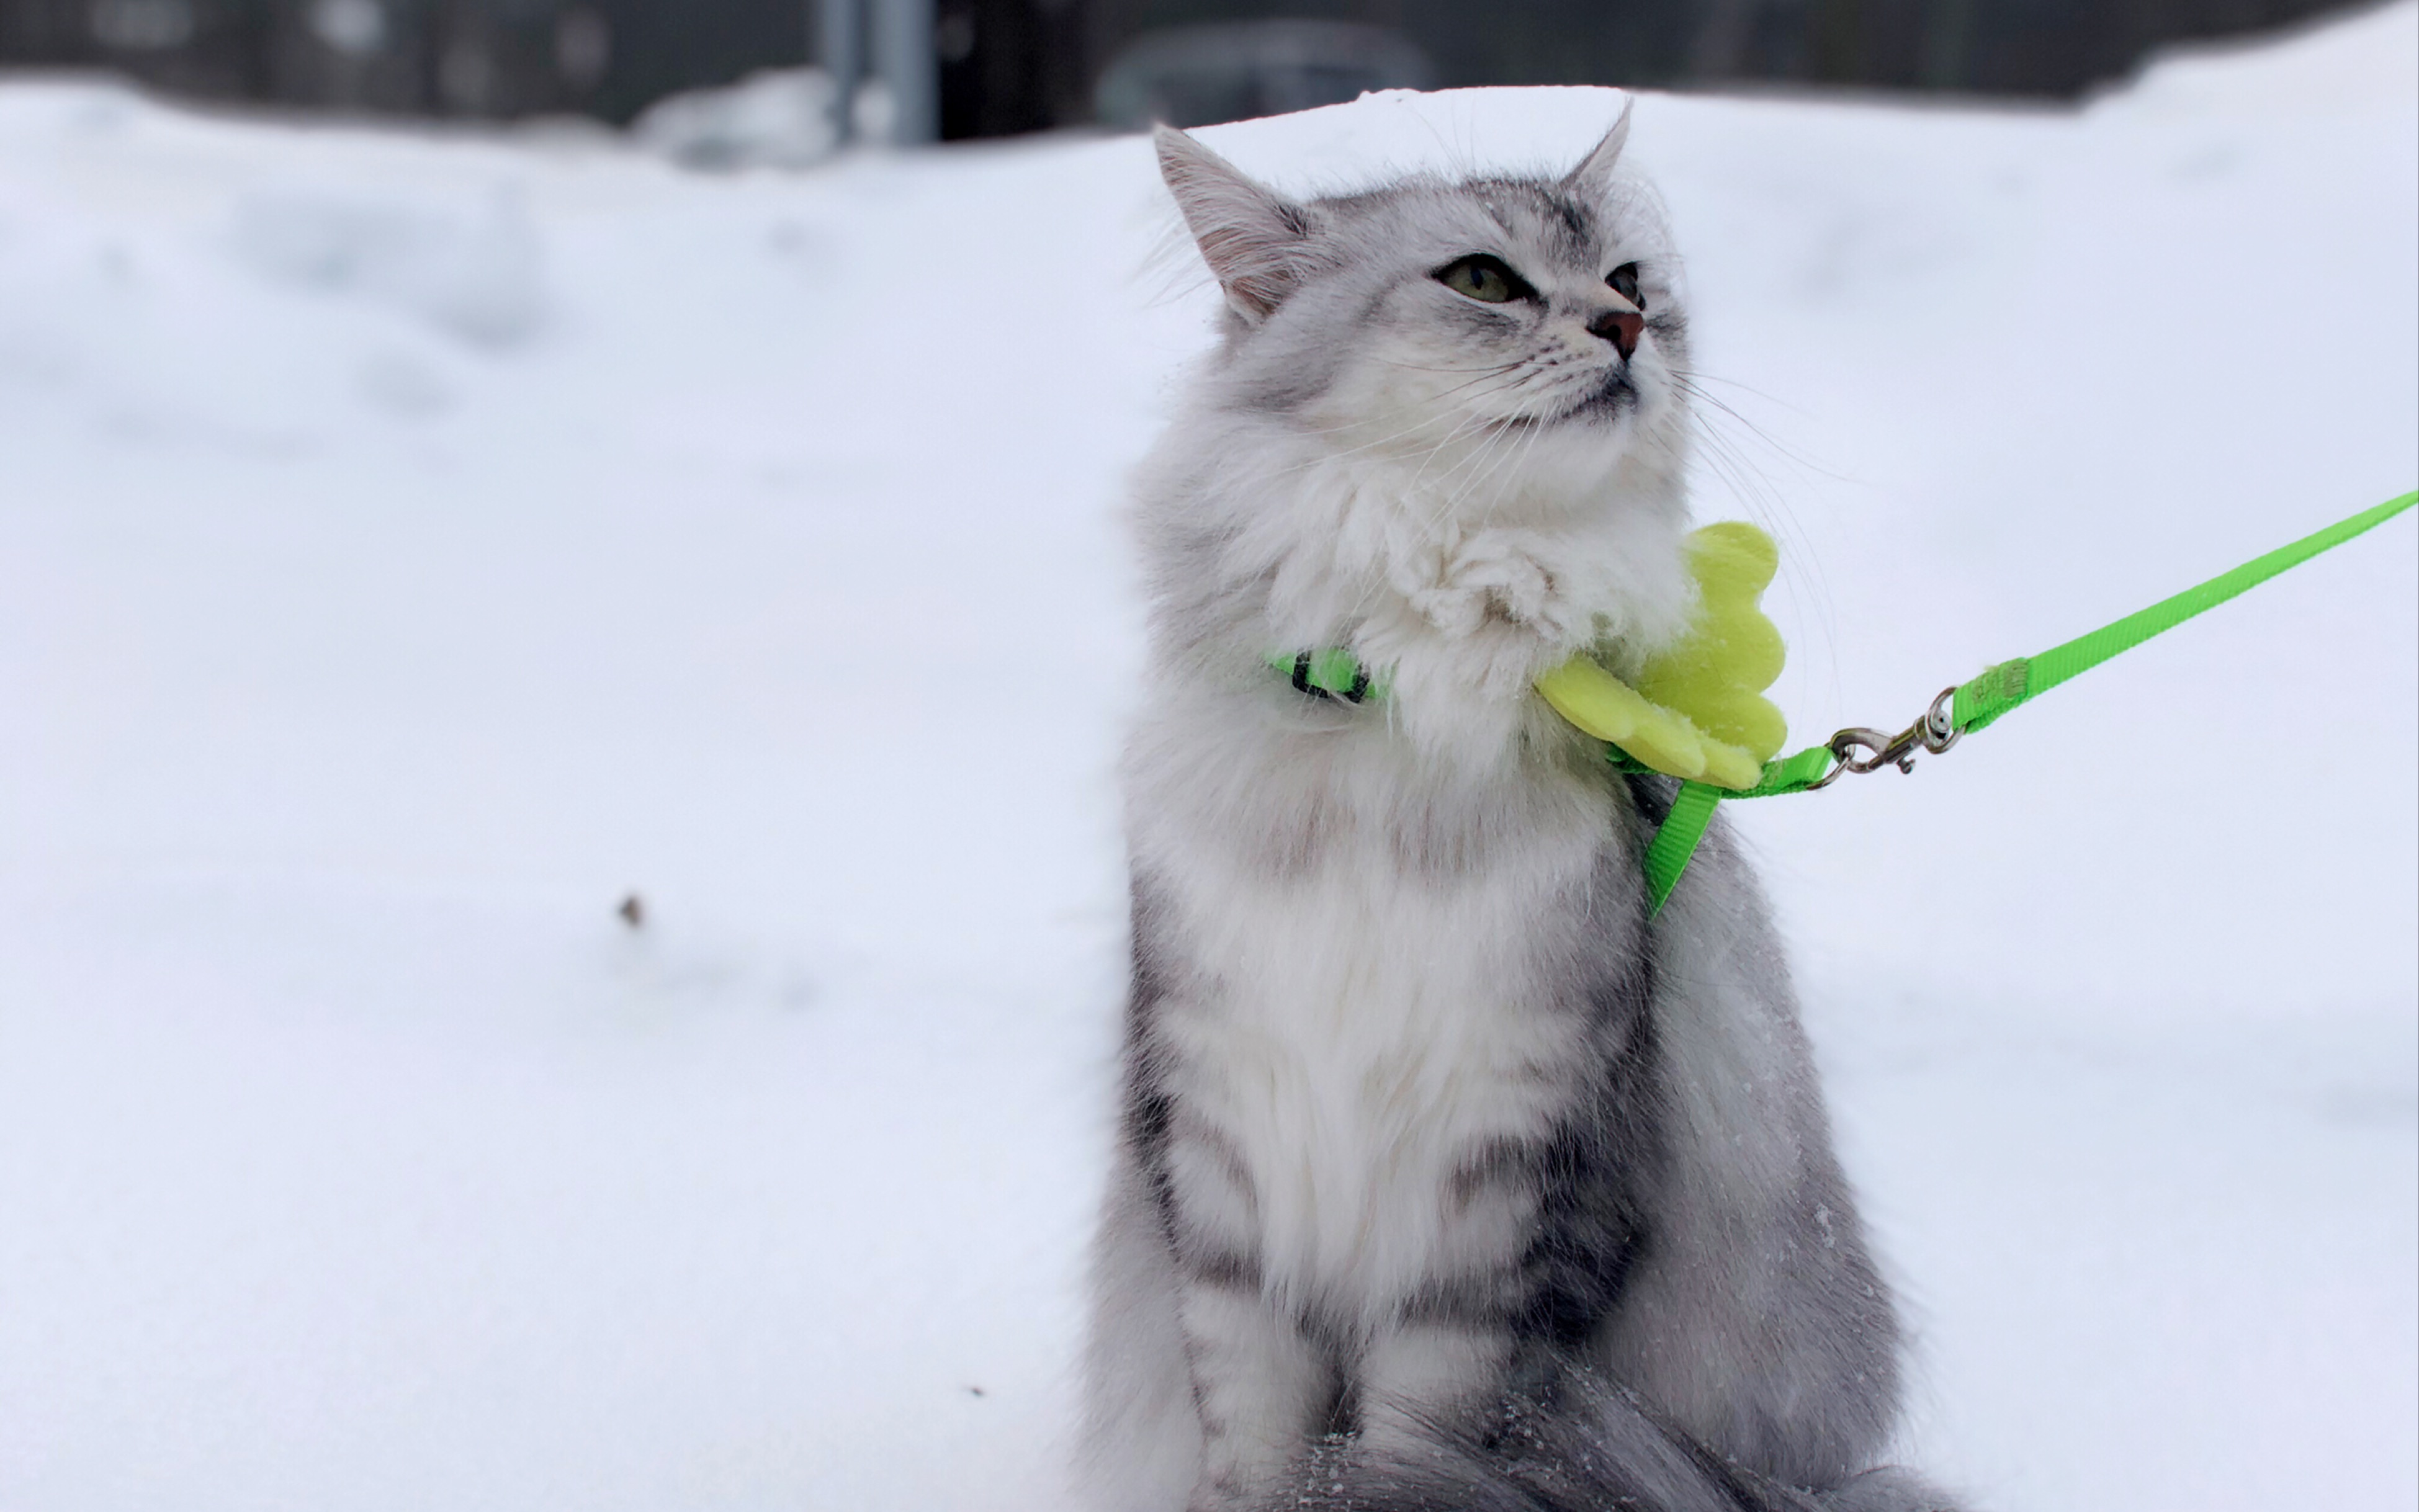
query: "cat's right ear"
1255, 241
1593, 176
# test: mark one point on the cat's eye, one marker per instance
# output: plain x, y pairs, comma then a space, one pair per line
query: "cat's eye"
1624, 280
1488, 280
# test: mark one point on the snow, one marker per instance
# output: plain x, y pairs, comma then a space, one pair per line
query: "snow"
412, 545
775, 118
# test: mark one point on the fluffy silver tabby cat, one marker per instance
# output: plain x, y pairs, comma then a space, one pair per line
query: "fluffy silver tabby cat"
1449, 1179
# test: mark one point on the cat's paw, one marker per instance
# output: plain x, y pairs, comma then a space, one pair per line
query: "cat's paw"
1499, 578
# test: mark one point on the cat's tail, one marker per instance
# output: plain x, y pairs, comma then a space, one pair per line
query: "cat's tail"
1592, 1447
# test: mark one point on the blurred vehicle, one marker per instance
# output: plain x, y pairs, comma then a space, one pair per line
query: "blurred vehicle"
1202, 75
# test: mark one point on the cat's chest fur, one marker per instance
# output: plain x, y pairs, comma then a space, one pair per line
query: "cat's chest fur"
1359, 1035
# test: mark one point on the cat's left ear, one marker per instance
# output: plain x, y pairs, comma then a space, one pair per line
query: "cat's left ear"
1589, 181
1256, 241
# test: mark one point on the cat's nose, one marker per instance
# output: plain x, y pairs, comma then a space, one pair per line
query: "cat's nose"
1621, 328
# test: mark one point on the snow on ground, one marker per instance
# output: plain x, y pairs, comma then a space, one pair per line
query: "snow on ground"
410, 545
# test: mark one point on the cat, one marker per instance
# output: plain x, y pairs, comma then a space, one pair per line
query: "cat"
1450, 1176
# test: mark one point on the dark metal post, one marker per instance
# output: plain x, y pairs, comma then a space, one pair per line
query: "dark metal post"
903, 56
839, 47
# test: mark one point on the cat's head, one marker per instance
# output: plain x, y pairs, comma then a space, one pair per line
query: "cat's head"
1434, 318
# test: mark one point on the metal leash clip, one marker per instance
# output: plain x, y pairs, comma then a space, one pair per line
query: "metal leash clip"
1934, 733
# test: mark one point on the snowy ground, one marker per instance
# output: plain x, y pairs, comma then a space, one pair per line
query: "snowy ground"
409, 547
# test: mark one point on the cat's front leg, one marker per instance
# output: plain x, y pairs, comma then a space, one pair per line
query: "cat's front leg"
1469, 624
1501, 584
1506, 577
1419, 1376
1261, 1386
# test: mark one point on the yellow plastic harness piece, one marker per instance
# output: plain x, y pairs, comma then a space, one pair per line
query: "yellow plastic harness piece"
1698, 710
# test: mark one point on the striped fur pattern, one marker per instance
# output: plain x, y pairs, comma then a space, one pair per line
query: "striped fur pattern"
1448, 1178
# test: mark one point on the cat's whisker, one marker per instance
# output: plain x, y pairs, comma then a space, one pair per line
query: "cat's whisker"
1503, 443
1473, 462
1516, 458
1328, 457
1325, 457
1690, 383
1423, 367
1469, 422
1730, 460
1697, 377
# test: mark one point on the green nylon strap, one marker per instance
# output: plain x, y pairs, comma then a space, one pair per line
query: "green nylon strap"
1332, 673
1999, 689
1675, 840
2011, 683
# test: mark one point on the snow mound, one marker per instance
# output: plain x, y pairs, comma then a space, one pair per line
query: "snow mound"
779, 118
470, 270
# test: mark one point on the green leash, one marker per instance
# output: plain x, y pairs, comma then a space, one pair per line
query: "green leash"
1970, 706
1956, 713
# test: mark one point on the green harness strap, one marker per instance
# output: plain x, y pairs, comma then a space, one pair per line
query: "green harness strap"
1975, 704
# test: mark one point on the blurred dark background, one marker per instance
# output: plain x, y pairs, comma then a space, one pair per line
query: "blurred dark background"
994, 68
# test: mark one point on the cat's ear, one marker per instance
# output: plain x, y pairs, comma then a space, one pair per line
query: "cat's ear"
1593, 176
1256, 241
